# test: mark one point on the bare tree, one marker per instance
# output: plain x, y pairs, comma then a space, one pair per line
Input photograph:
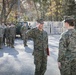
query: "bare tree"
7, 6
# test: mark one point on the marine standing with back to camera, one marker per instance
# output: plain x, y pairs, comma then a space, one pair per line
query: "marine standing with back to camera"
67, 49
24, 28
1, 35
40, 38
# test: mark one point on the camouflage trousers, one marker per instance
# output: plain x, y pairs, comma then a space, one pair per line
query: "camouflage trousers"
25, 40
40, 62
4, 39
1, 42
23, 36
68, 67
12, 41
8, 41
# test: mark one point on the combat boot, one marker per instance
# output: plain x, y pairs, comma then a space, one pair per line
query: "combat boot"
25, 45
12, 46
37, 73
0, 47
8, 45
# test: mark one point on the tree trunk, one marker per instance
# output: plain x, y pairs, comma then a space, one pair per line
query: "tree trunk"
36, 9
4, 13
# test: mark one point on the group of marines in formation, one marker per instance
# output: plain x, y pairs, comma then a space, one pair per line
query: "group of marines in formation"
8, 34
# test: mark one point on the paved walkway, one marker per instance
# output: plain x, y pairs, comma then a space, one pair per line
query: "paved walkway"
19, 61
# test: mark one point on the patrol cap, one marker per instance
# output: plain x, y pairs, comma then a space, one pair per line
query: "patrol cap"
41, 21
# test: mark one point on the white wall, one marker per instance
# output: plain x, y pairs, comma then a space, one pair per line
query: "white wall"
51, 27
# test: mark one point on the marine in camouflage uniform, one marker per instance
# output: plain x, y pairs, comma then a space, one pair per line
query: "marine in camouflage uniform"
4, 26
23, 30
1, 35
12, 33
7, 34
67, 49
40, 39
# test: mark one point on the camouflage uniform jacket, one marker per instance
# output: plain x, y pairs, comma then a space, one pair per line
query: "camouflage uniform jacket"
23, 29
40, 39
67, 51
12, 31
4, 27
7, 31
1, 31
